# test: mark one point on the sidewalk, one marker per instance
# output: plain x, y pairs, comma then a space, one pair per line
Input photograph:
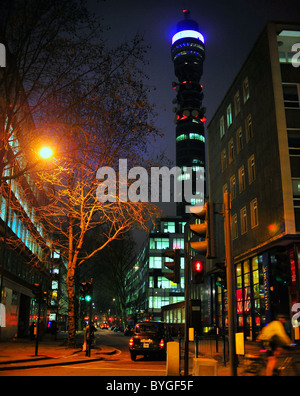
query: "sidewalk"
21, 353
223, 371
251, 348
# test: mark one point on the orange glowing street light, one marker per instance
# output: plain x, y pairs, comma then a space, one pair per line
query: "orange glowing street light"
46, 152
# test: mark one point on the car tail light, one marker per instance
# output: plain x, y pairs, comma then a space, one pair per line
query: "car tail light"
162, 343
131, 342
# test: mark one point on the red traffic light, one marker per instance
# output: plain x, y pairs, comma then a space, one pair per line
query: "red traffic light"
197, 271
198, 266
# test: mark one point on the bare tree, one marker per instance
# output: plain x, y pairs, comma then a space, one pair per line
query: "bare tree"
63, 86
75, 210
113, 122
52, 47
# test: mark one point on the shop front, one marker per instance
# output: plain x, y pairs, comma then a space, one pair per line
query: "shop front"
265, 285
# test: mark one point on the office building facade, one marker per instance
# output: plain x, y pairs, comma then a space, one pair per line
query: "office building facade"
147, 289
254, 153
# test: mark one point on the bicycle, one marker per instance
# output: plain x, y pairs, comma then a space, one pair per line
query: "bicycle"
287, 364
255, 363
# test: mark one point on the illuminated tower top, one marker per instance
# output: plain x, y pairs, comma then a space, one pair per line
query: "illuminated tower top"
188, 51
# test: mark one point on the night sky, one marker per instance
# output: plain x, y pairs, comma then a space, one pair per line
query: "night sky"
230, 29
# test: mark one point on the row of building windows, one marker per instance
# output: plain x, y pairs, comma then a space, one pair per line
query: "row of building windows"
244, 219
237, 107
156, 302
19, 228
163, 283
241, 178
164, 243
227, 159
17, 266
170, 227
157, 261
175, 315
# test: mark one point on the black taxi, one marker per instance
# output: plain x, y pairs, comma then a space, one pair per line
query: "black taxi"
149, 339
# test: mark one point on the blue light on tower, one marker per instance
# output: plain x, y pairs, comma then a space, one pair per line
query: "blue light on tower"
187, 34
188, 51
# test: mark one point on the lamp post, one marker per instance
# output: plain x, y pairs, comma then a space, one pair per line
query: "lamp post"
230, 284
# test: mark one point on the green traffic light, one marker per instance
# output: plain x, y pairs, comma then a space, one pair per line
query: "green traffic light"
88, 298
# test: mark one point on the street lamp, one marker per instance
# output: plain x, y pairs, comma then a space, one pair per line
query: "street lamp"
46, 152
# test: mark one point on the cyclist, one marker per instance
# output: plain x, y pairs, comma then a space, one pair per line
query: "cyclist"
275, 335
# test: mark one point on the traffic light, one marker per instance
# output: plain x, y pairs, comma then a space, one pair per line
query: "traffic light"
40, 296
204, 230
174, 265
220, 271
86, 291
197, 270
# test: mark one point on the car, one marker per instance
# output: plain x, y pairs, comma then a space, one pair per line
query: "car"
149, 339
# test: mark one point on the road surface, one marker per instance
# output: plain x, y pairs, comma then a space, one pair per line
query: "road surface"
118, 364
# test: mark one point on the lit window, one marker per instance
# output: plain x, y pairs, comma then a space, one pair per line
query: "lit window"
242, 181
233, 187
254, 213
237, 103
229, 116
231, 150
155, 262
246, 92
223, 160
178, 243
249, 128
235, 232
159, 243
168, 227
251, 169
222, 127
244, 225
239, 140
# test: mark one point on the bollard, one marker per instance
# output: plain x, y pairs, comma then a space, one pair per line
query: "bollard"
173, 358
205, 367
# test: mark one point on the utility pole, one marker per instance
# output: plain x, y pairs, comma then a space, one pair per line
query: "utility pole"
38, 329
230, 283
89, 300
89, 343
187, 273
